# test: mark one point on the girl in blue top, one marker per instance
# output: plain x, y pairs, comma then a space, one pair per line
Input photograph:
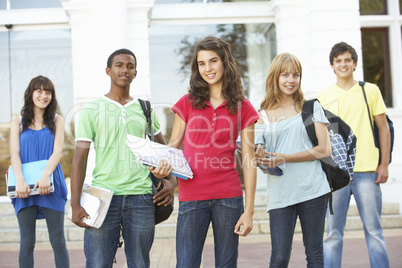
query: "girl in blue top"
282, 140
38, 134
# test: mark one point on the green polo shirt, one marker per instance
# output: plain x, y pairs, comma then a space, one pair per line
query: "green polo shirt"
106, 123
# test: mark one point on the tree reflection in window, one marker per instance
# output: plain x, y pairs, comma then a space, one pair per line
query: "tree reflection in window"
376, 60
373, 7
234, 34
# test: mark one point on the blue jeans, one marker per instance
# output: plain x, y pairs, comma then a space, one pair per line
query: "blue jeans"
192, 226
55, 226
369, 203
282, 223
135, 215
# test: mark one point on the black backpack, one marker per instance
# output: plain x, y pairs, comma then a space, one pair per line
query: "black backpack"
339, 167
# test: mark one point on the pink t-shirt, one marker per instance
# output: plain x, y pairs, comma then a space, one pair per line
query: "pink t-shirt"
209, 146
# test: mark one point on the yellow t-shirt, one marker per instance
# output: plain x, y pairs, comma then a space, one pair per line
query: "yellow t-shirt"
351, 107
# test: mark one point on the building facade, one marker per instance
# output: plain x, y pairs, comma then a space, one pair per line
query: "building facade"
69, 41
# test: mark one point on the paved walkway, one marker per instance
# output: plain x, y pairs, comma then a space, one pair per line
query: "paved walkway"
254, 252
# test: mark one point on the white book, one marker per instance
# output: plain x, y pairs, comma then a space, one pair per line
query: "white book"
150, 153
92, 206
96, 202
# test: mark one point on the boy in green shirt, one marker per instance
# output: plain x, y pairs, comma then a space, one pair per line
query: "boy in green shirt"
106, 121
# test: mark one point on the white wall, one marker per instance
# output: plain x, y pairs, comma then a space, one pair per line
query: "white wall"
306, 28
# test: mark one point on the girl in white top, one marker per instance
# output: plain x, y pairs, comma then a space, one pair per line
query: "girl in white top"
282, 140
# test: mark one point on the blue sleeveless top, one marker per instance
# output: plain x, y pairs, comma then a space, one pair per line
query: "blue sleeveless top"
38, 145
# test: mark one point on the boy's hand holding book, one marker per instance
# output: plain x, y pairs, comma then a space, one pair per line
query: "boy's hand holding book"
162, 170
79, 215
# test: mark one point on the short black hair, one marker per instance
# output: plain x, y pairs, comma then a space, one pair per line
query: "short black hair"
118, 52
341, 48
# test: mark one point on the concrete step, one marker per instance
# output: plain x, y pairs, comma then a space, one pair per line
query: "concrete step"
6, 208
260, 212
168, 230
8, 218
11, 235
353, 223
9, 232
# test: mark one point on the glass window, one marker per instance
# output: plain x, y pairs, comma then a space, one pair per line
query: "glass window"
33, 53
373, 7
5, 109
171, 50
202, 1
5, 99
376, 60
41, 52
3, 4
26, 4
400, 7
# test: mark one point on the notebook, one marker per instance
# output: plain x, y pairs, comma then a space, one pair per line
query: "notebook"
96, 202
32, 172
150, 153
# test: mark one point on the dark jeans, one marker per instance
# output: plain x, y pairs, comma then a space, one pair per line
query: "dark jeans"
55, 226
192, 227
282, 223
135, 215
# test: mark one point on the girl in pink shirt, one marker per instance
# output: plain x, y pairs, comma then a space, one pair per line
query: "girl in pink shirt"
208, 121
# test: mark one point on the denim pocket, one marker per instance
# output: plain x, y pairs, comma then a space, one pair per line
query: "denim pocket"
187, 206
147, 199
233, 203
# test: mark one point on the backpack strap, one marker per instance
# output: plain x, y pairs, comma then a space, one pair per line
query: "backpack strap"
146, 108
362, 83
307, 116
373, 126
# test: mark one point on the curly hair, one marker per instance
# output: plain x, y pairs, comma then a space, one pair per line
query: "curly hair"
280, 64
232, 88
27, 111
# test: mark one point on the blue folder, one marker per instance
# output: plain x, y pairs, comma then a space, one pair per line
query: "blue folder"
32, 172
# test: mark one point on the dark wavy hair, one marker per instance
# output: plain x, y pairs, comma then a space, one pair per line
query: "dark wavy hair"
340, 49
232, 88
27, 111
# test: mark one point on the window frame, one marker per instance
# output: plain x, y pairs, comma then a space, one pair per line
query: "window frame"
387, 62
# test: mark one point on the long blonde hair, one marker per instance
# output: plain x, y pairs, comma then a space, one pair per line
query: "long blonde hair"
281, 63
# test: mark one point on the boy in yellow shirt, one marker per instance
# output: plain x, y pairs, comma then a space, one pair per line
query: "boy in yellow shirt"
345, 98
